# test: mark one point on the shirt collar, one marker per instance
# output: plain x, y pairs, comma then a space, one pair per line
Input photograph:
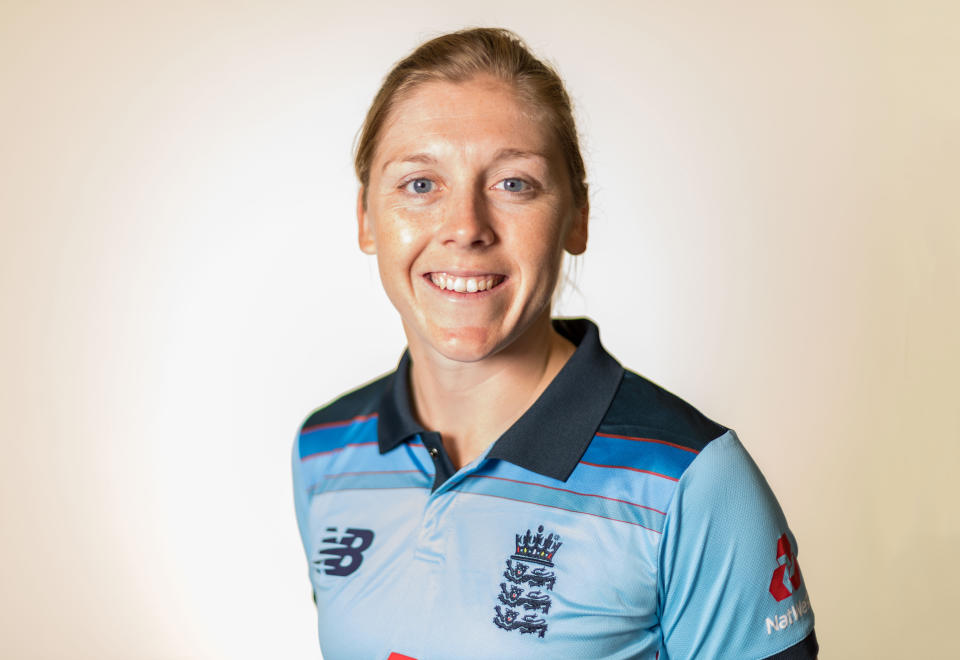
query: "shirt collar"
551, 437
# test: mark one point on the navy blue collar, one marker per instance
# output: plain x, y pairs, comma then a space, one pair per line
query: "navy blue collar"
551, 437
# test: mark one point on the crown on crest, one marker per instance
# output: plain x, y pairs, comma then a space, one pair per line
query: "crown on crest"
536, 548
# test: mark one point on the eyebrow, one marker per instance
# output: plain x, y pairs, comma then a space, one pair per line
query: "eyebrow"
425, 158
507, 153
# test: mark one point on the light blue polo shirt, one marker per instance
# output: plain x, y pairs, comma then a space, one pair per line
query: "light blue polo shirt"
612, 520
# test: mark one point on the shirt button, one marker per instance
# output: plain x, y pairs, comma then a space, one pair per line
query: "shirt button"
434, 452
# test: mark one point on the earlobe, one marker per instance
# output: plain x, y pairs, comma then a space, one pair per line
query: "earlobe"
365, 234
577, 238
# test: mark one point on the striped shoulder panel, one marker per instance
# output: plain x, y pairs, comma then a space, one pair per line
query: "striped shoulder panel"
644, 411
629, 472
333, 425
338, 448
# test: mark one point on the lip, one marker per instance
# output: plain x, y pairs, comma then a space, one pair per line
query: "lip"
455, 272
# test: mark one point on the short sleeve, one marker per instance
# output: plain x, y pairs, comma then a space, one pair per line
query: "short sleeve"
730, 585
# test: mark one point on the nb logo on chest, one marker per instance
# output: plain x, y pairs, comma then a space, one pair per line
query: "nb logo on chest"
346, 554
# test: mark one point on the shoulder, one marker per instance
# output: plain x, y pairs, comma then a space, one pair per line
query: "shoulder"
360, 402
644, 446
653, 431
334, 423
643, 409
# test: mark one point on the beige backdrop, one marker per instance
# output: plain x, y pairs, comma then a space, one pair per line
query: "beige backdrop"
775, 237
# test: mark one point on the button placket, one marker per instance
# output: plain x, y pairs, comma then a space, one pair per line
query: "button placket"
430, 539
443, 468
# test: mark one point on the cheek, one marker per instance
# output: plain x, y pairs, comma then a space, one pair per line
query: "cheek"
551, 273
400, 242
542, 272
400, 238
550, 263
542, 249
406, 237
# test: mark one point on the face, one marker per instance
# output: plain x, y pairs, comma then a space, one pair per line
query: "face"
469, 209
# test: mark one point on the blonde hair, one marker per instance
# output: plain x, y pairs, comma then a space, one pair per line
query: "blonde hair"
460, 56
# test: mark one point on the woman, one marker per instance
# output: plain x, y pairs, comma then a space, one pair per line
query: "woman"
510, 490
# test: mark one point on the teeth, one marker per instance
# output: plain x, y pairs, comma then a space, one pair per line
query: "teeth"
465, 284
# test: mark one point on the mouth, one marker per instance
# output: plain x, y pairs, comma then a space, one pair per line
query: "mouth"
465, 283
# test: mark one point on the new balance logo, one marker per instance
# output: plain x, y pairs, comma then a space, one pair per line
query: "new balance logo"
346, 555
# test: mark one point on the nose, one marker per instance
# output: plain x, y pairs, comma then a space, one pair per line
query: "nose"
467, 221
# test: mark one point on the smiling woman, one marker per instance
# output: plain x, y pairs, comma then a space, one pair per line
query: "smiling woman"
468, 190
434, 502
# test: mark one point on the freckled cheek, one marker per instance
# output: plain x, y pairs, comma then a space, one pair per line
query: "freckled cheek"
400, 243
541, 250
548, 267
406, 230
407, 236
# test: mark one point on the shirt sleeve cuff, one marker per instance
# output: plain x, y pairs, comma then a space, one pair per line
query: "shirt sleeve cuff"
806, 649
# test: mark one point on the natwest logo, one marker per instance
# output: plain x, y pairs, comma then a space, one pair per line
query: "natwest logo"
786, 577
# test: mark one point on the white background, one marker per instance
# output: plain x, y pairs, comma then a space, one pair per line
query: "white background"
775, 237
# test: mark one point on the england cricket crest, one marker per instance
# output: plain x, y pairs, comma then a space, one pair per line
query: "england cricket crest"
524, 602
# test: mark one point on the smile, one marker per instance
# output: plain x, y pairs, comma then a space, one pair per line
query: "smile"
462, 284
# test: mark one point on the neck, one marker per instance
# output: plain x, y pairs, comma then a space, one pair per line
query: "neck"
471, 404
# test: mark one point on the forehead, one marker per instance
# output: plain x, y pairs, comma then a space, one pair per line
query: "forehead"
467, 118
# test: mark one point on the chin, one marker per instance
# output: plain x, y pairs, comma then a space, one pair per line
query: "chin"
465, 344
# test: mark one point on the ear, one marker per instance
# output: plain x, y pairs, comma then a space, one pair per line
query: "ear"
366, 236
576, 242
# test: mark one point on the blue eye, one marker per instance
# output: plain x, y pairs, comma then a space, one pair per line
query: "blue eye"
514, 185
420, 186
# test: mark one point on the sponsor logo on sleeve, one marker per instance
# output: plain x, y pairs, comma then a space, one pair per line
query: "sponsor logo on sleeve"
786, 576
785, 581
783, 621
